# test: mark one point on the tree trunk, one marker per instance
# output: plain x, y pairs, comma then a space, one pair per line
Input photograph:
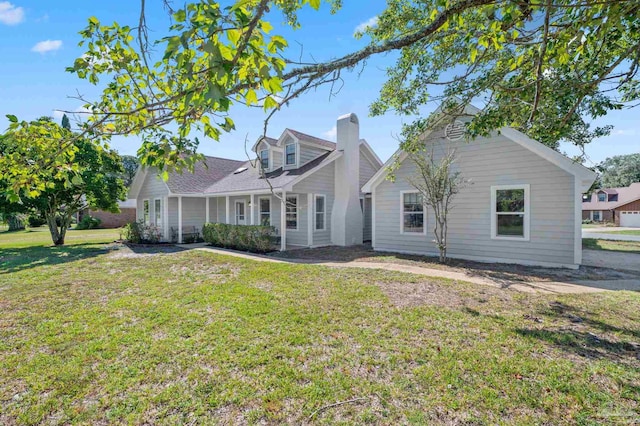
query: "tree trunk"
57, 236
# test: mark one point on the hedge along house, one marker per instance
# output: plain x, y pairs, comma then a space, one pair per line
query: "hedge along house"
311, 194
524, 203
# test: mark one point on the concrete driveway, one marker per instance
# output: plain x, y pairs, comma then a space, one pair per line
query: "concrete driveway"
611, 259
601, 233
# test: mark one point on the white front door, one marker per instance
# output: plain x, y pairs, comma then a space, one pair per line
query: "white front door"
240, 213
630, 219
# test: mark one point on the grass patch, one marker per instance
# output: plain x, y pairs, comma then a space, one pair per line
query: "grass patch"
172, 337
624, 232
611, 245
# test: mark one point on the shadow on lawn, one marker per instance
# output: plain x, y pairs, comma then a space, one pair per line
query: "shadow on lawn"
578, 333
20, 259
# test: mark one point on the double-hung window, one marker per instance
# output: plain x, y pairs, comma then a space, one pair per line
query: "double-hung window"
290, 154
602, 196
320, 212
292, 211
145, 212
264, 159
412, 207
265, 211
510, 212
157, 210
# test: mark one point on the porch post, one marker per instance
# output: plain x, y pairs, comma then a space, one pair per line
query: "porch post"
208, 214
228, 218
283, 222
252, 201
179, 220
310, 224
165, 219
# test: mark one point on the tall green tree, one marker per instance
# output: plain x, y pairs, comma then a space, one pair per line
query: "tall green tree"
85, 174
130, 165
619, 171
546, 67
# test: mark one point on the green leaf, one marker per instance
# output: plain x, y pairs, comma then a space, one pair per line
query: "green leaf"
315, 4
12, 118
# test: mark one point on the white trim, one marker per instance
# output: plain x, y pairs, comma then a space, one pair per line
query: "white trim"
260, 210
577, 237
155, 213
235, 211
402, 213
147, 223
268, 159
486, 259
310, 218
527, 212
324, 213
166, 221
283, 221
227, 218
297, 212
373, 220
373, 157
207, 216
252, 204
180, 220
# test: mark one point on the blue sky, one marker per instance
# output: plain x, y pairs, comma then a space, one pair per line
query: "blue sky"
39, 39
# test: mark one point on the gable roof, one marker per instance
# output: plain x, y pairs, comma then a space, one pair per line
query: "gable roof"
308, 138
626, 195
583, 174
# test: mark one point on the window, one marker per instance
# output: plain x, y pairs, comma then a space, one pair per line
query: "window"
292, 212
612, 197
265, 211
597, 216
412, 213
157, 204
586, 197
264, 159
320, 212
145, 212
290, 154
602, 196
510, 211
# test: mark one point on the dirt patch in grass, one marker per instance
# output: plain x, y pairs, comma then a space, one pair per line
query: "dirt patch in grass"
500, 272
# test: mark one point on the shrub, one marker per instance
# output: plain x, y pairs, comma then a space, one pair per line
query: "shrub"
139, 232
587, 221
259, 239
36, 220
88, 222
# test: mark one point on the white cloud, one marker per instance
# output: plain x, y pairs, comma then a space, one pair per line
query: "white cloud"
625, 132
10, 14
43, 18
370, 23
331, 133
47, 46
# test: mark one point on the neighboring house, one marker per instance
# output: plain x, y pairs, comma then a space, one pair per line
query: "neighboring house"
126, 215
312, 194
618, 205
523, 203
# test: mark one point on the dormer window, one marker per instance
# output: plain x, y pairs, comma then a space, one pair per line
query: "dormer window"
290, 154
264, 159
586, 197
602, 196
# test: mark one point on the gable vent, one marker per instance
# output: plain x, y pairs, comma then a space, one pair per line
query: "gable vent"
454, 131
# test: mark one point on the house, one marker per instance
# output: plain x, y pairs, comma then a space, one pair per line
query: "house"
618, 205
522, 205
126, 215
308, 188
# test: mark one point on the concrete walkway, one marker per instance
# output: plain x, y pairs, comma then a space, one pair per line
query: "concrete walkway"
553, 287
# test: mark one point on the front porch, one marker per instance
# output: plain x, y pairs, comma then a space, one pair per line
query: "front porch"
184, 213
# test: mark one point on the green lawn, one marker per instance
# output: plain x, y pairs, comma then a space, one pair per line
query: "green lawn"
95, 333
625, 232
596, 244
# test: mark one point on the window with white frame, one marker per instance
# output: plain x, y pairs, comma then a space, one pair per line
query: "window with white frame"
510, 211
292, 212
412, 213
320, 215
290, 154
264, 159
145, 212
240, 211
265, 211
157, 206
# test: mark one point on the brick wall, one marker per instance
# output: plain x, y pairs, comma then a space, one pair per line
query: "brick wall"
115, 220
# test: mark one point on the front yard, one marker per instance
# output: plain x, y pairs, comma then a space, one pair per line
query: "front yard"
100, 333
611, 245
